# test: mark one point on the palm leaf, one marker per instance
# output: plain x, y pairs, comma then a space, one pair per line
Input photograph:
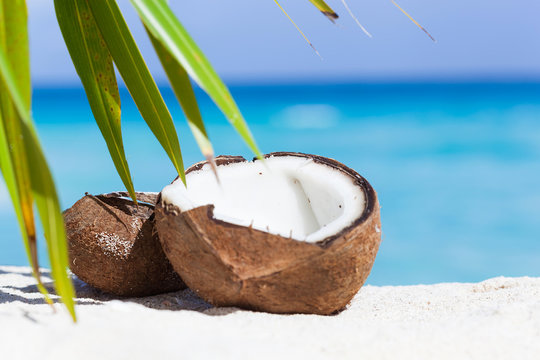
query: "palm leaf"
94, 66
325, 9
165, 27
137, 77
13, 161
13, 165
22, 162
12, 157
14, 41
50, 214
414, 21
355, 18
181, 85
297, 28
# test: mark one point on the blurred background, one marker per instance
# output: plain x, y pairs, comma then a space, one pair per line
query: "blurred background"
448, 133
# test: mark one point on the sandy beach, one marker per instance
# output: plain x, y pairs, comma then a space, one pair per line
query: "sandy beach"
494, 319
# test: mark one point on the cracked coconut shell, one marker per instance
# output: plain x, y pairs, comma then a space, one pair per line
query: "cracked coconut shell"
232, 265
113, 246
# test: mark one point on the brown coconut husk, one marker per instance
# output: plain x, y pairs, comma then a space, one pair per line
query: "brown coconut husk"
113, 246
232, 265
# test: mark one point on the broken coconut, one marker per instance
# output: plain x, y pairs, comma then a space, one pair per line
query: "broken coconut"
113, 245
296, 233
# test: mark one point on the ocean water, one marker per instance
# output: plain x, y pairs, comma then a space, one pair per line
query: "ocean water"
456, 166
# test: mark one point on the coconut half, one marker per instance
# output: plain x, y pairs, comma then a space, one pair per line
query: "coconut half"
296, 233
113, 245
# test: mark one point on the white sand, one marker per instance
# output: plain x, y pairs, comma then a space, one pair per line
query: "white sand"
495, 319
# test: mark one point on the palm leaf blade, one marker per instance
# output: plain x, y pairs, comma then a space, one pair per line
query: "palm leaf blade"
9, 173
413, 20
94, 66
50, 213
137, 77
181, 85
163, 24
15, 82
16, 71
12, 162
325, 9
297, 28
19, 145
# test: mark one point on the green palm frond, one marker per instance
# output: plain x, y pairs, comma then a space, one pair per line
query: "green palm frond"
165, 27
325, 9
137, 78
94, 66
22, 162
181, 85
96, 34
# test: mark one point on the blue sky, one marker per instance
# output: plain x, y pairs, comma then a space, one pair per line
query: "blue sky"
252, 41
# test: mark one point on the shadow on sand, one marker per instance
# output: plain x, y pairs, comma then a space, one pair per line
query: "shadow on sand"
87, 296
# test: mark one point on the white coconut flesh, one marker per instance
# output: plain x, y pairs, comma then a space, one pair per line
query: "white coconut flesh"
286, 195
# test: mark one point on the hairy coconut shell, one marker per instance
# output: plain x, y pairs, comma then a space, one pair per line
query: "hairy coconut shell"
113, 246
232, 265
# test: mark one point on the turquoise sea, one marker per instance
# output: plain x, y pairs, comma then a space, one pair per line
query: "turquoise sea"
456, 166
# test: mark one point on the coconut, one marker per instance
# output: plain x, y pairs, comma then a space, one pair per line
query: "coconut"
113, 246
294, 233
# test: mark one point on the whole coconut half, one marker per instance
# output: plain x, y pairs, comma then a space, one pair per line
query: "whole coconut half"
295, 233
113, 245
